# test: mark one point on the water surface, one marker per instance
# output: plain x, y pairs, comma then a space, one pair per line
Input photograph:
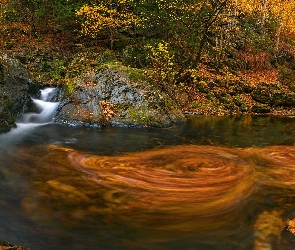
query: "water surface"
213, 183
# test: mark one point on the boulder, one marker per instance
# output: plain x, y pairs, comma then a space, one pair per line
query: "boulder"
110, 97
262, 109
274, 95
16, 88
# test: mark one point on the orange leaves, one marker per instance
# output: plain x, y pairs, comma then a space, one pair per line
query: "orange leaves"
109, 109
260, 75
3, 2
257, 60
291, 226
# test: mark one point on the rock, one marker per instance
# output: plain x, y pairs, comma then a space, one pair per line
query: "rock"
263, 92
260, 109
109, 97
16, 87
274, 95
1, 74
284, 99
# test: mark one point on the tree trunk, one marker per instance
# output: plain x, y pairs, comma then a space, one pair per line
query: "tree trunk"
111, 40
263, 5
278, 35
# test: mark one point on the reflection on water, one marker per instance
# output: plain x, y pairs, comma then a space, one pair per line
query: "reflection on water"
140, 190
268, 229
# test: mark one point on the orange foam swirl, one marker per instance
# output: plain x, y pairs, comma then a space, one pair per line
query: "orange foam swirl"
181, 181
278, 166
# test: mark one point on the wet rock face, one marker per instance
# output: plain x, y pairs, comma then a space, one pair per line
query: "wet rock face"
16, 88
109, 97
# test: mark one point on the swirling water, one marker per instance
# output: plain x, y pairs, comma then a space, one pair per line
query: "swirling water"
213, 183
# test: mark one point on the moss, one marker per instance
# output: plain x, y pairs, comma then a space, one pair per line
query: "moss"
136, 75
110, 65
202, 87
141, 116
7, 117
69, 87
211, 96
195, 105
160, 100
238, 101
287, 77
243, 108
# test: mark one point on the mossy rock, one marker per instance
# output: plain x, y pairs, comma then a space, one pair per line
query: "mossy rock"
274, 95
118, 100
263, 93
261, 109
239, 87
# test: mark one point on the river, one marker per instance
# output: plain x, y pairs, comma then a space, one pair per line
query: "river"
213, 183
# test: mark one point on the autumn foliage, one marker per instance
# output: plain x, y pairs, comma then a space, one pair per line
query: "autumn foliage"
107, 18
192, 45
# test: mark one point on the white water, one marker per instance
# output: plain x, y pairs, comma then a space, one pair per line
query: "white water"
45, 114
46, 111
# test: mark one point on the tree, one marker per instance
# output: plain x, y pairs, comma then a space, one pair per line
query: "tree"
279, 14
194, 25
108, 17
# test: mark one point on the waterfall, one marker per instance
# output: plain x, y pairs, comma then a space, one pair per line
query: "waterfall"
45, 111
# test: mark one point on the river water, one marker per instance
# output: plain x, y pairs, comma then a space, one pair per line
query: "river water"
213, 183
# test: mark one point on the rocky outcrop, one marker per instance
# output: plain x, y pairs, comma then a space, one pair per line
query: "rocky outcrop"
16, 87
110, 97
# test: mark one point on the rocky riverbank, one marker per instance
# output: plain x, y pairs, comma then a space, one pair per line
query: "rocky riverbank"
112, 97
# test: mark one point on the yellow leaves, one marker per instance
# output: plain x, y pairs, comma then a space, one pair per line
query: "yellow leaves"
162, 61
85, 9
102, 17
161, 52
245, 6
283, 12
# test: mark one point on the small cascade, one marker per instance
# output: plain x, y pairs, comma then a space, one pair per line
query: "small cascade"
45, 111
